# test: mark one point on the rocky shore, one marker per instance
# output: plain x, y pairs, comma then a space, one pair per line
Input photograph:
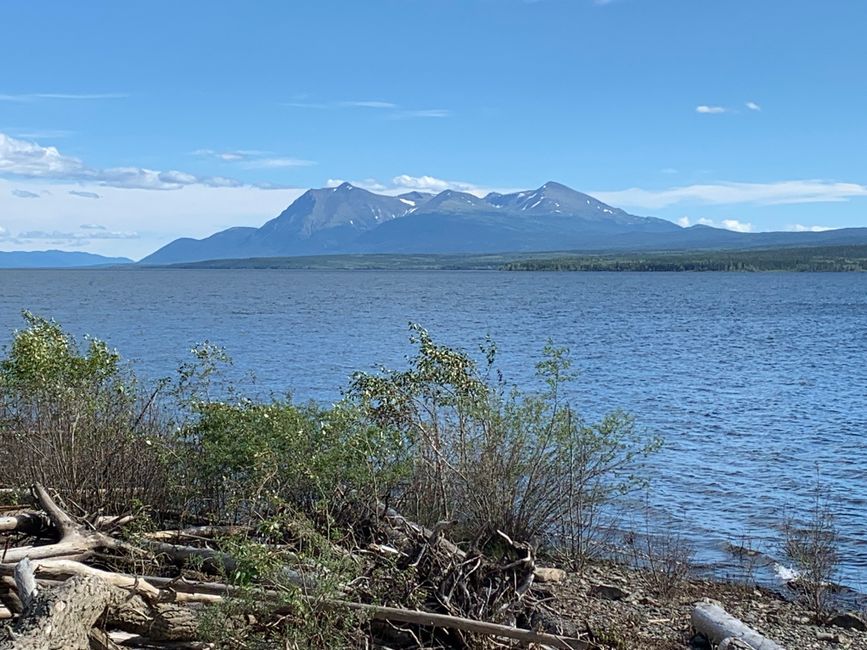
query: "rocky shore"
622, 608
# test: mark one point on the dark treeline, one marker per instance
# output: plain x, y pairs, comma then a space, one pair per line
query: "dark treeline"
824, 259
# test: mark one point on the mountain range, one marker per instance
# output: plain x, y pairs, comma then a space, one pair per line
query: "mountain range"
348, 219
56, 259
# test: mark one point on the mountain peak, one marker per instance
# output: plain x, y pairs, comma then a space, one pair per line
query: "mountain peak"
554, 185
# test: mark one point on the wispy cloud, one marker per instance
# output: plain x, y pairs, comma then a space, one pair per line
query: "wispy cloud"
390, 109
38, 134
753, 106
24, 194
33, 97
84, 195
254, 159
711, 110
723, 193
24, 158
58, 235
368, 104
277, 163
231, 155
424, 113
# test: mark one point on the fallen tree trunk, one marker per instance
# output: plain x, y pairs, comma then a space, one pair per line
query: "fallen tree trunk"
428, 619
126, 602
57, 619
721, 628
28, 523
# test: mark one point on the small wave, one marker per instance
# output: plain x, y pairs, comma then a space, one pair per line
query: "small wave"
785, 574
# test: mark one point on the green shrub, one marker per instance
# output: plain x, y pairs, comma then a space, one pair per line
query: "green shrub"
249, 458
78, 422
492, 459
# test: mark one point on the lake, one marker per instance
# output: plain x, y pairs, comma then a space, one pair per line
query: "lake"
754, 380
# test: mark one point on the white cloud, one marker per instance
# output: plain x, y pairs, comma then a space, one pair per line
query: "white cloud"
737, 226
724, 193
24, 194
369, 184
432, 184
23, 158
728, 224
407, 183
711, 110
753, 106
428, 183
801, 228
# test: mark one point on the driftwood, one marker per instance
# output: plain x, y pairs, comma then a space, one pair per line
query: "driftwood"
27, 523
59, 600
723, 630
57, 619
124, 602
75, 539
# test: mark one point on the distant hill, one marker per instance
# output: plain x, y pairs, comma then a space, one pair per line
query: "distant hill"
350, 220
55, 259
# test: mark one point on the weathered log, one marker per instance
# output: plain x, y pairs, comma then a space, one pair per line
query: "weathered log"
721, 628
428, 619
61, 618
195, 532
28, 523
127, 602
75, 540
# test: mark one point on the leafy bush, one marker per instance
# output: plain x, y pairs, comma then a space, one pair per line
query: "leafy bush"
488, 458
249, 458
78, 422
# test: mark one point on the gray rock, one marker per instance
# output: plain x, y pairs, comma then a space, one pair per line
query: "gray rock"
608, 592
547, 574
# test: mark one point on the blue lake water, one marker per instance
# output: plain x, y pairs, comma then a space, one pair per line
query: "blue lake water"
752, 379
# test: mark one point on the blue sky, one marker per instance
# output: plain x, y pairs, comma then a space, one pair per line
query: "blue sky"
125, 125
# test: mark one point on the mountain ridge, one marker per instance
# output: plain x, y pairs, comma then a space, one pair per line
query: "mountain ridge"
56, 259
351, 220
